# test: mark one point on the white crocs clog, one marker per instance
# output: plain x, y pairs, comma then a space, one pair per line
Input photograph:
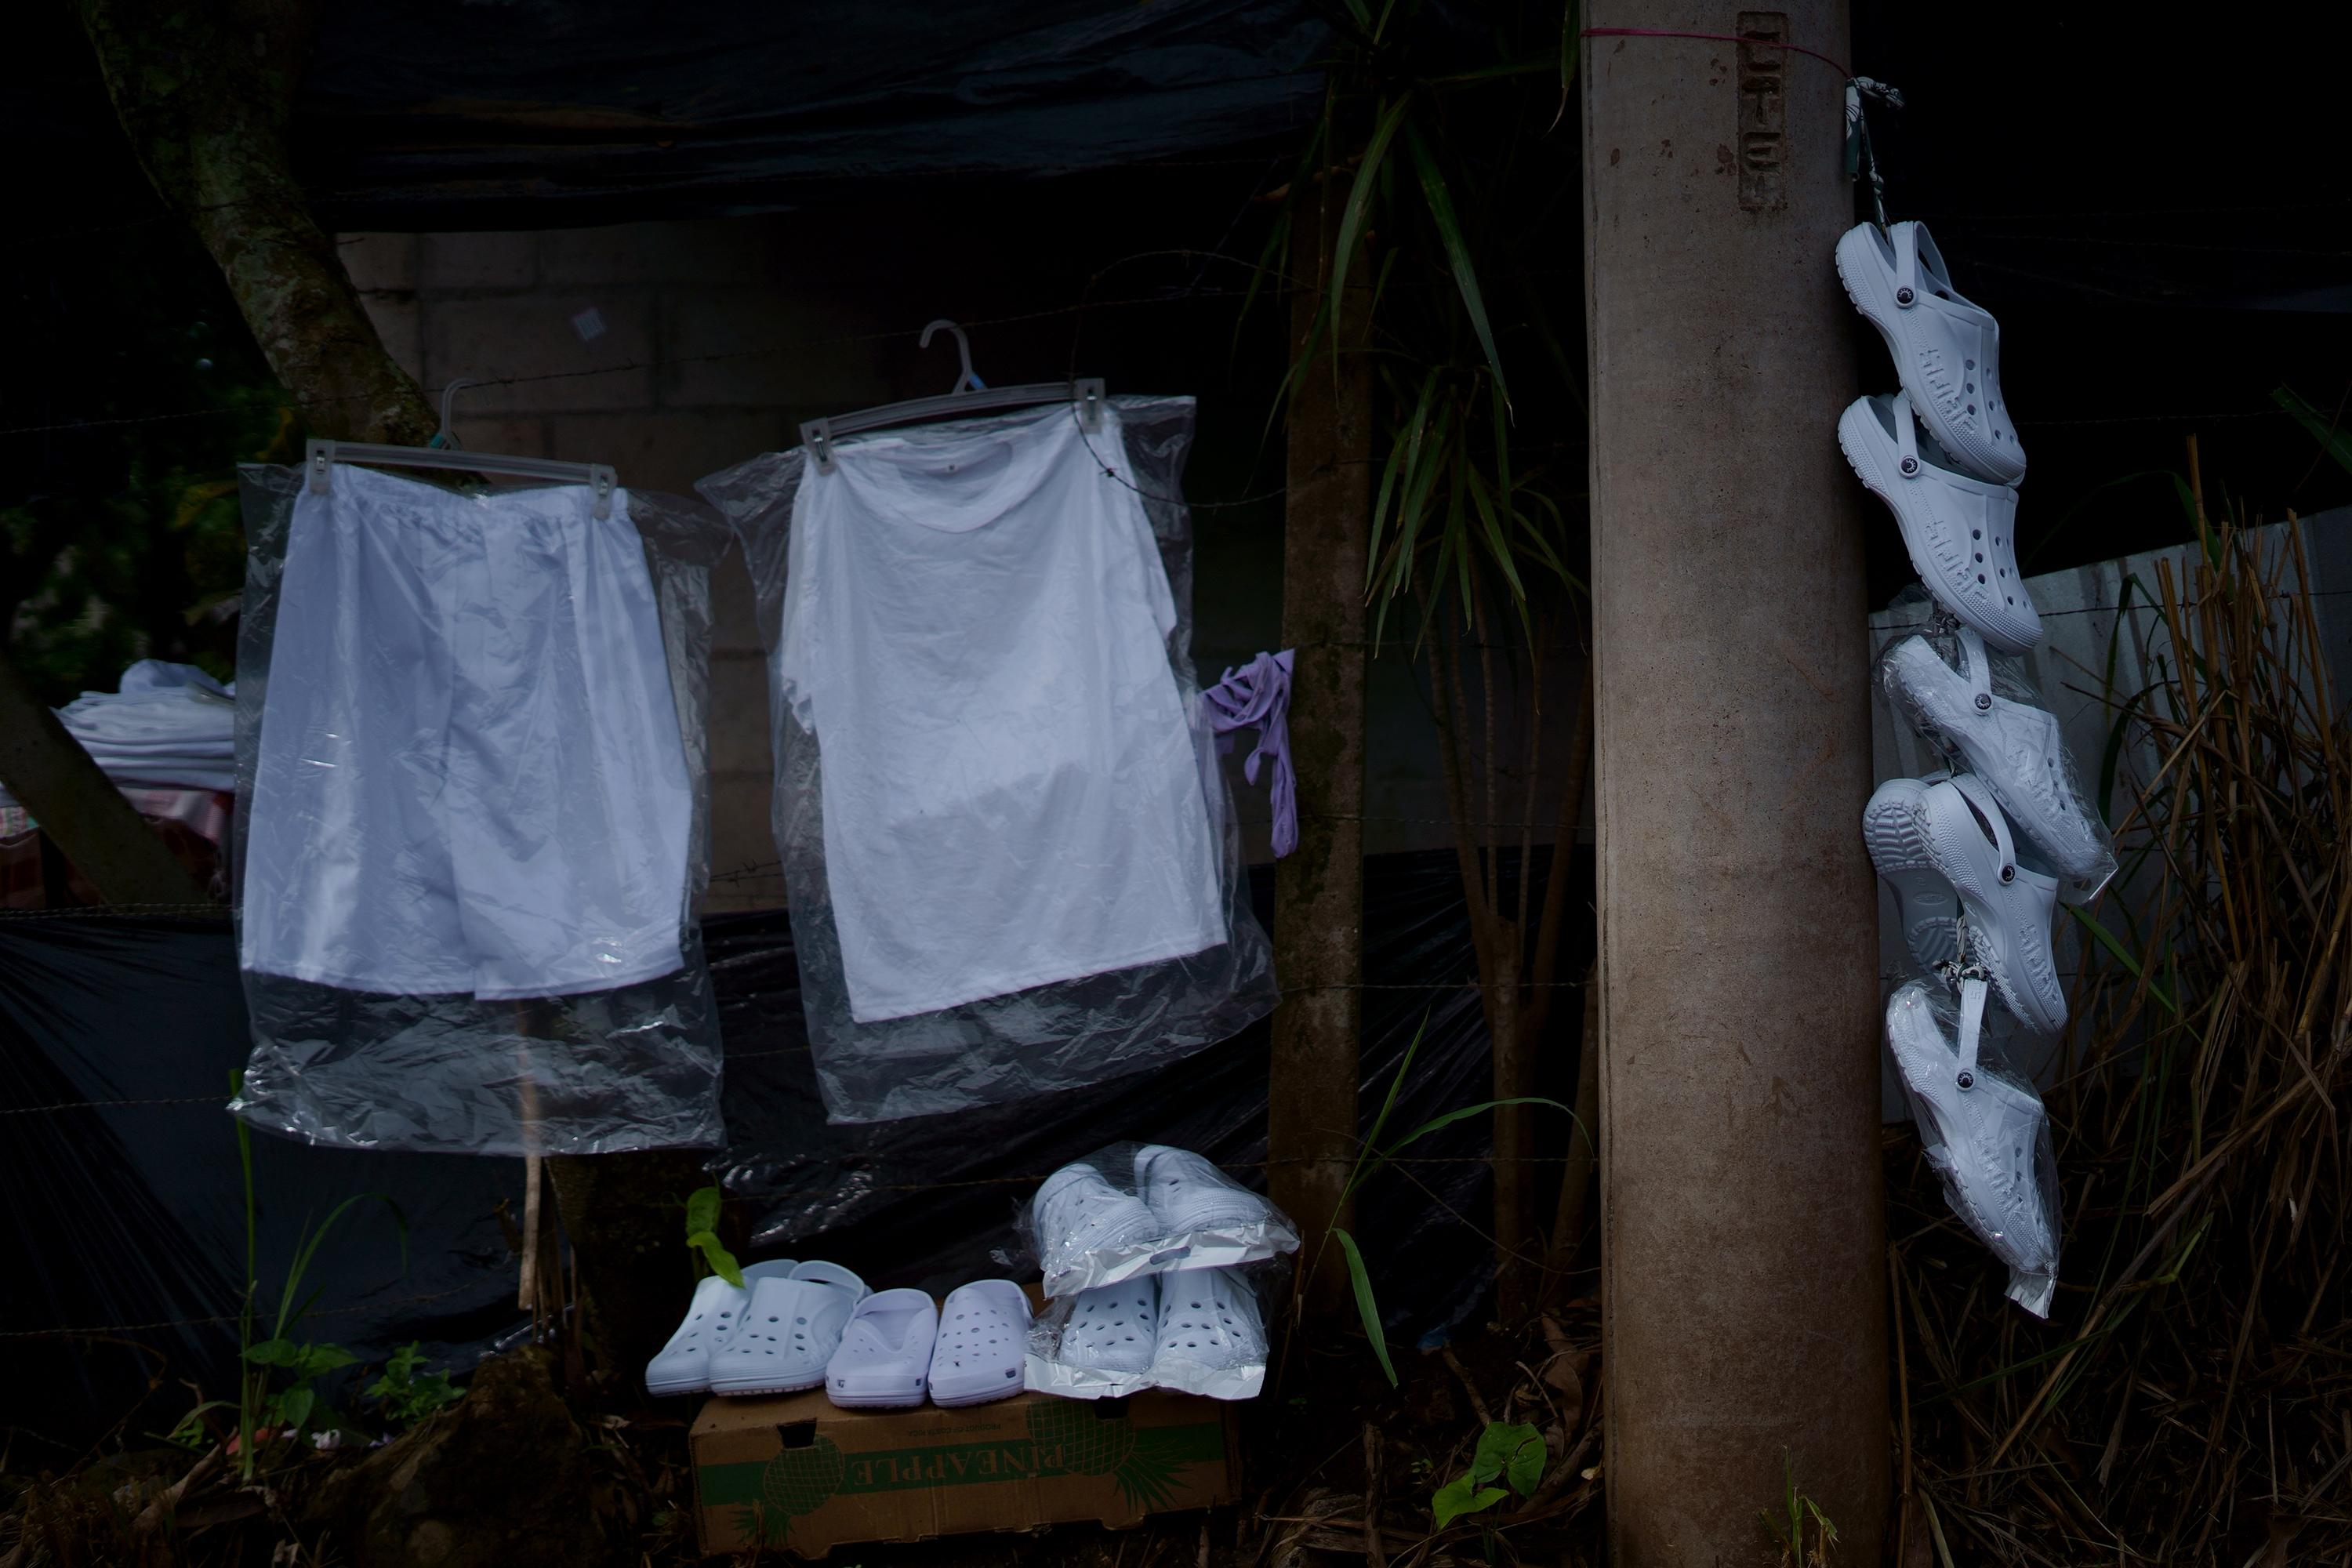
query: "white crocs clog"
1189, 1193
983, 1344
1208, 1322
885, 1355
1114, 1328
1961, 532
1947, 349
711, 1318
1955, 828
1982, 1134
1925, 905
1079, 1212
2016, 750
791, 1329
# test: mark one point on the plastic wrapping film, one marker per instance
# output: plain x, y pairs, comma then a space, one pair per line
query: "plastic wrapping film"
593, 1067
1131, 1209
1189, 1331
1985, 1132
1058, 1036
2059, 828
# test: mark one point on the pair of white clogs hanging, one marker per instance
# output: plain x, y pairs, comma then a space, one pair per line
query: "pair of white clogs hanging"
792, 1326
1954, 495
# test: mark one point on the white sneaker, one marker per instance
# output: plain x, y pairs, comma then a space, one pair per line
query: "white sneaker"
1947, 349
1077, 1212
711, 1318
1113, 1328
1961, 532
983, 1343
2014, 749
1207, 1323
1926, 905
1190, 1193
791, 1329
885, 1353
1981, 1133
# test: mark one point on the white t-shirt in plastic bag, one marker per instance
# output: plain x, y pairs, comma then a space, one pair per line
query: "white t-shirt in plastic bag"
975, 631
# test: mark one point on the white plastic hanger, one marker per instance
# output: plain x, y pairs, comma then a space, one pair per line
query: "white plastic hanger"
969, 395
320, 457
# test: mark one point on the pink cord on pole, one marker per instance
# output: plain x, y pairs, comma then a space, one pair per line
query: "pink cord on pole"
1714, 37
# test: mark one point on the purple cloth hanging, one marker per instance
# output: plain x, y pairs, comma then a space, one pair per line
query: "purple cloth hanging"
1257, 696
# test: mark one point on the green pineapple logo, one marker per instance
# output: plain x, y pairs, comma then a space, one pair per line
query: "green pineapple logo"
797, 1481
1143, 1464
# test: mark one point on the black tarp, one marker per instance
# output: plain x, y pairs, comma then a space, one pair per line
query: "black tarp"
456, 114
117, 1035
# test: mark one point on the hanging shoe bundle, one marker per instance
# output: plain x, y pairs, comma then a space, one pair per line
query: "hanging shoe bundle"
1158, 1269
1977, 857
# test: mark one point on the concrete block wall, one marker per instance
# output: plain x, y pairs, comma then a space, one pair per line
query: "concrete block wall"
709, 342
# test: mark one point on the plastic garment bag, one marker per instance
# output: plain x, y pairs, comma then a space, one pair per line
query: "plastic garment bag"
1042, 889
472, 809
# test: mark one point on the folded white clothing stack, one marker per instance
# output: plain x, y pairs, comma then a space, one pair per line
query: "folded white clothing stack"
167, 724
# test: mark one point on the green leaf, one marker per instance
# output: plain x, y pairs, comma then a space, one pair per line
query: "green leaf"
1512, 1451
1365, 1307
702, 1210
2106, 939
1360, 198
1457, 1497
2331, 435
1451, 1117
721, 1261
294, 1404
1381, 1121
1457, 250
271, 1353
311, 1361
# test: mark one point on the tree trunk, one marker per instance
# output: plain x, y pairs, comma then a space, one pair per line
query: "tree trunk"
205, 93
1318, 889
48, 774
1743, 1246
625, 1214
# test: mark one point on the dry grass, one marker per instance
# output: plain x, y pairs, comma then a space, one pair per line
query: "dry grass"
2190, 1400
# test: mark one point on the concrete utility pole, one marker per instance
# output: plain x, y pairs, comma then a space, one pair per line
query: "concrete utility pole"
1319, 887
1745, 1280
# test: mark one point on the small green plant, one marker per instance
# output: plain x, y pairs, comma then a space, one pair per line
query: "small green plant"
1511, 1452
296, 1406
702, 1236
406, 1395
1369, 1158
1797, 1520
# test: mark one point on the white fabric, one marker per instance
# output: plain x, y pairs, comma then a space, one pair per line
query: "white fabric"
974, 628
470, 776
168, 724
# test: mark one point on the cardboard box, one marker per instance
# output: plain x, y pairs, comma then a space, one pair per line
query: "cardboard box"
796, 1472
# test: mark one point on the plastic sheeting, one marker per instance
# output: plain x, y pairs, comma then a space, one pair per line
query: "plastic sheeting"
633, 1066
1044, 1039
117, 1035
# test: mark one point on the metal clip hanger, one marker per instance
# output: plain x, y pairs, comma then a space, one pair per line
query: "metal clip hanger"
320, 457
969, 395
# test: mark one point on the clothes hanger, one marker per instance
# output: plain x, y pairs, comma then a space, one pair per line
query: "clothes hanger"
320, 457
969, 395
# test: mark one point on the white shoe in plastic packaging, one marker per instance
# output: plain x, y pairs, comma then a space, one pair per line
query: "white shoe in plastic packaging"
1181, 1212
1961, 532
2014, 747
1947, 348
711, 1318
884, 1359
1096, 1344
1212, 1337
983, 1344
1987, 1136
1927, 910
1953, 832
791, 1329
